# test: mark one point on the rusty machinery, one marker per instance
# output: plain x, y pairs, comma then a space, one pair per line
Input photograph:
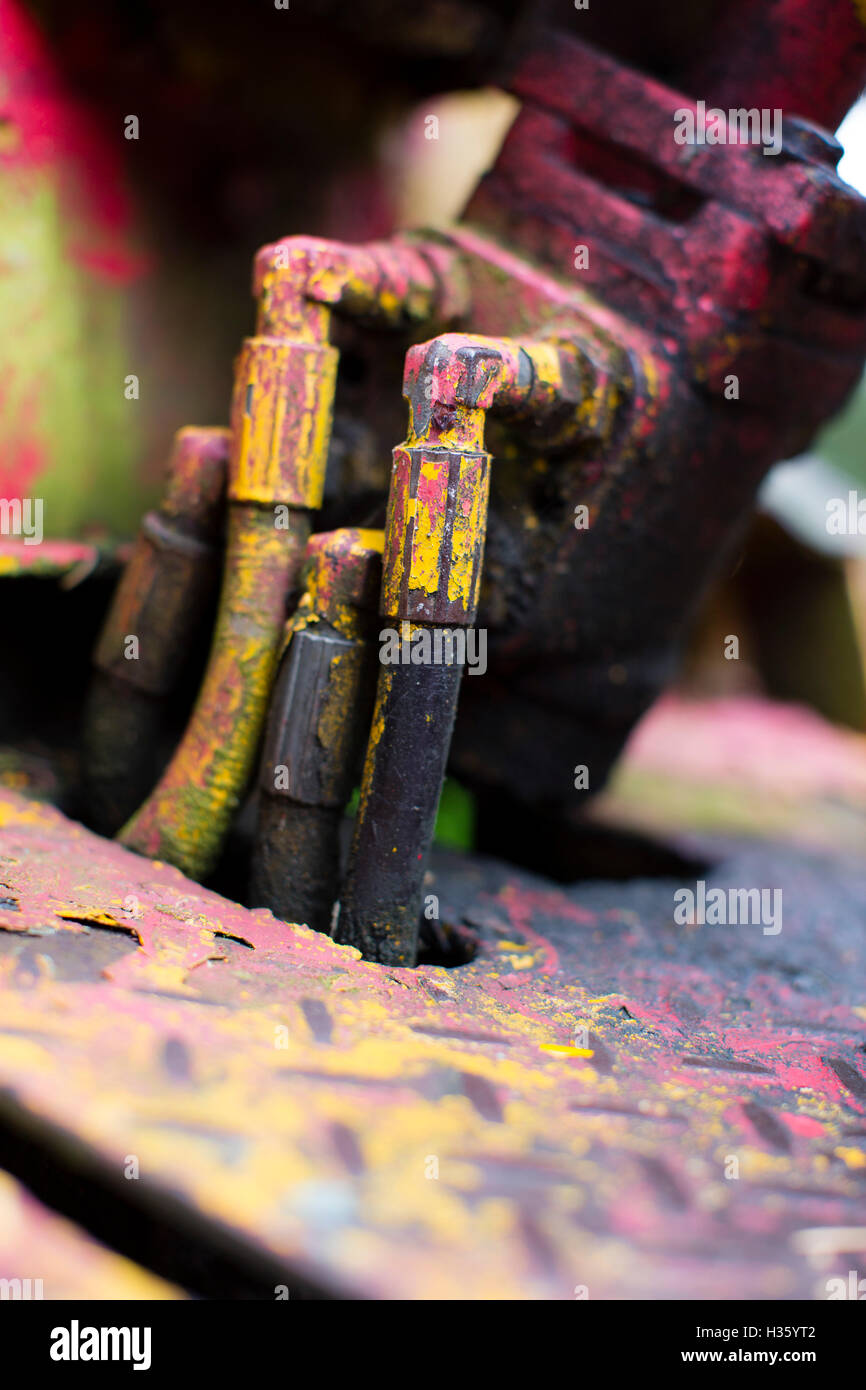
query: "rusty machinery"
569, 348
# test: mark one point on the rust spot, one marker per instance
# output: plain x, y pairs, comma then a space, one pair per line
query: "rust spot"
460, 1035
348, 1148
100, 921
238, 940
602, 1059
318, 1019
850, 1078
725, 1064
664, 1181
769, 1128
176, 1059
482, 1095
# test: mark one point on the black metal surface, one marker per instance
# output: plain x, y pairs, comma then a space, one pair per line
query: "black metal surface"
412, 723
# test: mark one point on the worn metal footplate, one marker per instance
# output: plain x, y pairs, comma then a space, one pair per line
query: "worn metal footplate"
599, 1103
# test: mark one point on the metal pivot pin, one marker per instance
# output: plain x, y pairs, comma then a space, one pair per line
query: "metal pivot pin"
318, 720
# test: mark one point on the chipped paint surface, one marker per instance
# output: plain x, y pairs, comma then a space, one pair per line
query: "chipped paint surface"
560, 1112
437, 512
36, 1244
343, 576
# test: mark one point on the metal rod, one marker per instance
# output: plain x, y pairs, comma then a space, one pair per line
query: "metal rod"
319, 716
162, 598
